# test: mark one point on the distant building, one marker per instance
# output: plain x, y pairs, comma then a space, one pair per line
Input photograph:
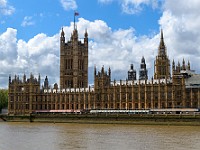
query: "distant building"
181, 90
143, 74
131, 73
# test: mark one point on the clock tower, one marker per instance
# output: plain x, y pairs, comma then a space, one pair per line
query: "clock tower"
162, 63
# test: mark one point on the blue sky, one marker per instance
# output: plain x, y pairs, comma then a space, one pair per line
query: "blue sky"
48, 16
120, 33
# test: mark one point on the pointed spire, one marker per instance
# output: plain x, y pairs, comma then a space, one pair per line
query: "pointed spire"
178, 64
188, 66
183, 64
173, 66
95, 70
24, 78
109, 71
62, 37
183, 61
162, 48
86, 38
46, 82
142, 60
39, 78
173, 63
102, 69
86, 34
9, 79
161, 34
62, 33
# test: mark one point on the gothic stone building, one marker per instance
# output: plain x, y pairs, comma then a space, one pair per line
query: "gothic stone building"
73, 61
179, 90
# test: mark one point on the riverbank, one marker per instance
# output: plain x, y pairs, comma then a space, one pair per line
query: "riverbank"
191, 120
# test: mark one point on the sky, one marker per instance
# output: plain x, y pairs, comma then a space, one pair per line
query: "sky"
120, 33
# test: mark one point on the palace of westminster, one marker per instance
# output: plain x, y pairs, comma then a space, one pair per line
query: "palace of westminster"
179, 89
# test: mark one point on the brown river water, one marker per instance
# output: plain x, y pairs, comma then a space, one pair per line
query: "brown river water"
49, 136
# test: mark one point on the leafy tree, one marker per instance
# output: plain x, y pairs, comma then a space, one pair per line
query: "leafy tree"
3, 98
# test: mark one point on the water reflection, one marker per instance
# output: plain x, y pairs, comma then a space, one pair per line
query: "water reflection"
36, 136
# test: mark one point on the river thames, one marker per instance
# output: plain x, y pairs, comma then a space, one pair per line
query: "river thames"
49, 136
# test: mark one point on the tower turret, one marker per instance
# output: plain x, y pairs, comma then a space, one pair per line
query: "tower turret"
62, 37
143, 71
102, 79
24, 78
162, 48
173, 67
74, 60
39, 79
131, 73
9, 79
183, 65
162, 63
178, 67
46, 83
109, 72
86, 38
95, 70
188, 66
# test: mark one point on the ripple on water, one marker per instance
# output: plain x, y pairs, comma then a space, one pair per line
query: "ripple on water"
34, 136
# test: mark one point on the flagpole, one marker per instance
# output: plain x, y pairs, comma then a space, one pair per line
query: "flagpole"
74, 20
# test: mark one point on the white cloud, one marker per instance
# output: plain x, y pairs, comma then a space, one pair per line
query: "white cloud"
3, 3
133, 6
40, 54
8, 45
6, 9
108, 47
69, 4
117, 49
27, 21
181, 25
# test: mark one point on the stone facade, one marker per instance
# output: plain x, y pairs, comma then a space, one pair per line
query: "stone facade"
164, 91
162, 63
73, 61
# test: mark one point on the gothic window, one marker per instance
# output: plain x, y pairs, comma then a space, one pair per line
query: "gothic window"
106, 105
118, 97
67, 64
27, 106
130, 96
136, 105
118, 106
156, 105
142, 105
149, 105
76, 106
163, 105
49, 106
130, 105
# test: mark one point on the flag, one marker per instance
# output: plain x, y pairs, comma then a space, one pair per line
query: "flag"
76, 14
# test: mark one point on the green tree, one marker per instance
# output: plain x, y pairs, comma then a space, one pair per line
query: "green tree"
3, 98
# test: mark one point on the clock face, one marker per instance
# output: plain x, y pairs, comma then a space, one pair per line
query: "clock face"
162, 51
